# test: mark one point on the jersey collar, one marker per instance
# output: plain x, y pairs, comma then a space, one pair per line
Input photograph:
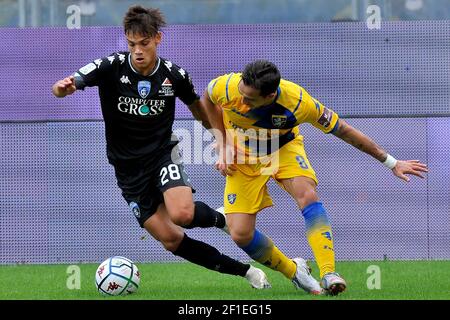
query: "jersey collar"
135, 71
278, 94
274, 100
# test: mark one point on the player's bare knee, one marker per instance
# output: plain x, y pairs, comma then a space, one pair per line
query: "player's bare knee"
183, 214
306, 197
241, 238
172, 242
183, 218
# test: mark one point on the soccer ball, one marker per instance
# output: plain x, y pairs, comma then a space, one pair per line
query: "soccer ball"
117, 276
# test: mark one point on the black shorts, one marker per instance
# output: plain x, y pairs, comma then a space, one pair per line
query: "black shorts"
144, 182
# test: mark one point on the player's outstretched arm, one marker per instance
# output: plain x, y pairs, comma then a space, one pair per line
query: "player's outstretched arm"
64, 87
400, 168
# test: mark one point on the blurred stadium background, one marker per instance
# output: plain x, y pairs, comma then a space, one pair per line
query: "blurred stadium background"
59, 202
34, 13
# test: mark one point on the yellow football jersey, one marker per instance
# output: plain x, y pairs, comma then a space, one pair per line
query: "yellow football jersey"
292, 107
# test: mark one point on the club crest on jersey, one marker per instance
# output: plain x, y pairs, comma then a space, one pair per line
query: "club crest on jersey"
135, 209
279, 121
231, 198
144, 88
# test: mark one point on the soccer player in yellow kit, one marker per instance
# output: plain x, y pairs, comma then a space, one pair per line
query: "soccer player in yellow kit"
258, 105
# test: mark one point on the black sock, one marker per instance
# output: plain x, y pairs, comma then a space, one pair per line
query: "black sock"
206, 217
209, 257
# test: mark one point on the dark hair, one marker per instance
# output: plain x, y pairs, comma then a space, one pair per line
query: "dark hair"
262, 75
143, 21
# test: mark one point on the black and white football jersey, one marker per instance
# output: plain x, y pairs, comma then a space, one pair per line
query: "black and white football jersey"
138, 110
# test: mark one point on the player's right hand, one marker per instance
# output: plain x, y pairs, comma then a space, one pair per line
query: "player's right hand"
64, 87
225, 163
225, 169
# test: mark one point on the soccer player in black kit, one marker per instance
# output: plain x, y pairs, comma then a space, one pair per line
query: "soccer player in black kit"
137, 94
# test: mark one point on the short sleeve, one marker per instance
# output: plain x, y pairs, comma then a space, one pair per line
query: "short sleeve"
314, 112
185, 89
95, 72
216, 89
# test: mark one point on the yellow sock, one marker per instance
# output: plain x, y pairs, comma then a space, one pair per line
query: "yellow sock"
321, 242
276, 260
320, 238
262, 249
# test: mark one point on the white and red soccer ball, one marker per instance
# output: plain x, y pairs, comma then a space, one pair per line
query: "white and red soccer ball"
117, 276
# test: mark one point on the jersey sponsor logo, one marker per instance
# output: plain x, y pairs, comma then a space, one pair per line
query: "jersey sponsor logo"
182, 72
279, 121
166, 88
240, 130
144, 88
325, 118
140, 107
125, 79
135, 209
87, 68
231, 198
166, 91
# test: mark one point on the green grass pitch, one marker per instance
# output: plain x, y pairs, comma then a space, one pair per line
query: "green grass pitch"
405, 280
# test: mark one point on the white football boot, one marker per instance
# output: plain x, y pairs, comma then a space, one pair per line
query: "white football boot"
257, 278
333, 283
303, 278
222, 211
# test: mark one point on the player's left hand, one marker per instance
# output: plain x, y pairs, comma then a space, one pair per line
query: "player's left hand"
414, 167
